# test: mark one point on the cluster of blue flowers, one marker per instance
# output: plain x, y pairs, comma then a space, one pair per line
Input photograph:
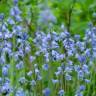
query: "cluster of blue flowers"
13, 47
52, 64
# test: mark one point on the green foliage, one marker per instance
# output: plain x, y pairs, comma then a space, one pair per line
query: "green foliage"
82, 12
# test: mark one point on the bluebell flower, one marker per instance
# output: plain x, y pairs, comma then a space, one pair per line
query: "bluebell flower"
29, 73
16, 56
77, 37
49, 36
7, 35
1, 35
46, 55
54, 52
20, 65
27, 49
20, 92
87, 80
94, 54
87, 52
15, 11
46, 92
59, 69
24, 36
22, 80
79, 44
0, 80
39, 77
68, 69
82, 87
62, 26
79, 94
15, 2
90, 24
77, 68
7, 50
35, 65
80, 74
1, 16
55, 81
21, 53
62, 56
54, 44
57, 73
62, 35
18, 28
2, 59
55, 55
19, 41
85, 69
55, 36
7, 80
45, 67
10, 21
33, 83
37, 53
18, 18
70, 63
37, 71
68, 77
46, 16
32, 58
5, 71
9, 44
6, 89
70, 53
82, 59
63, 66
65, 34
61, 92
4, 26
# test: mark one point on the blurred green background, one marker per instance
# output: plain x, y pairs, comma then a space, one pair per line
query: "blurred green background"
74, 14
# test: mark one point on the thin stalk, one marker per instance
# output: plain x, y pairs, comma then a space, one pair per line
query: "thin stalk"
70, 16
12, 70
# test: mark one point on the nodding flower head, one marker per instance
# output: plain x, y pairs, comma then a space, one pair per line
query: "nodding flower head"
6, 89
46, 92
20, 92
5, 71
45, 67
82, 88
15, 2
15, 11
1, 16
20, 65
61, 92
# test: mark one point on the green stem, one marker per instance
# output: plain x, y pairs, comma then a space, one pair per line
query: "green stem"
12, 70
